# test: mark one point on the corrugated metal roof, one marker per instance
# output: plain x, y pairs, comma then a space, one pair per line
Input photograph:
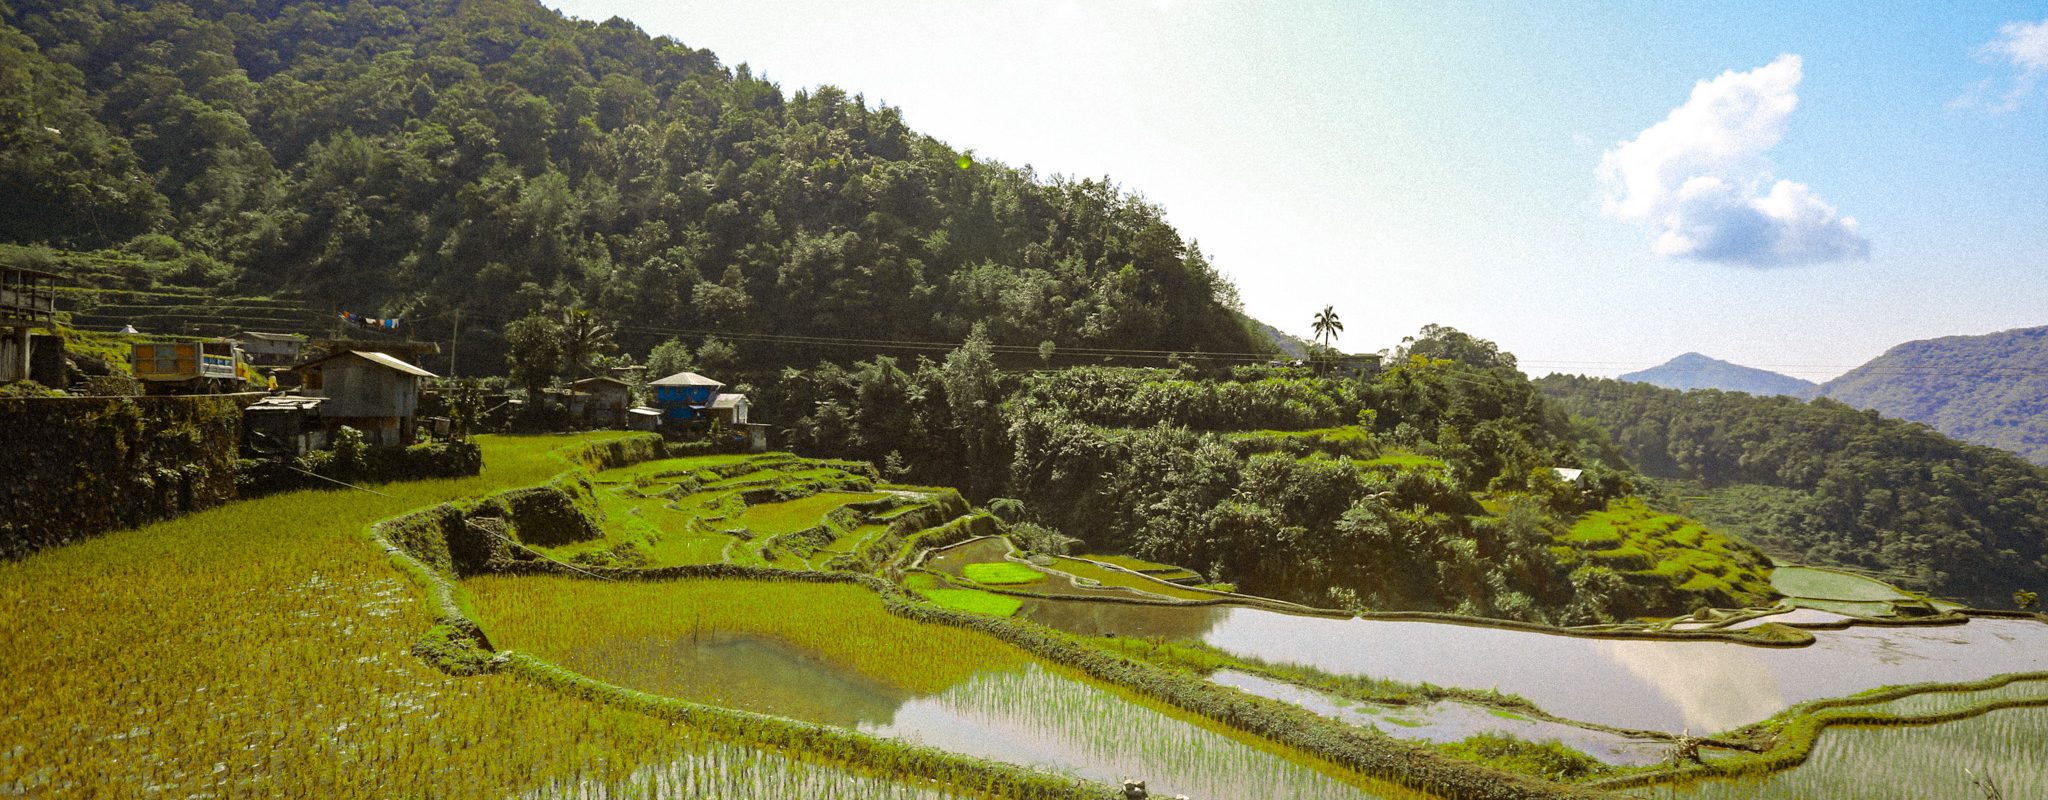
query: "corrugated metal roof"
271, 337
598, 380
396, 364
379, 359
686, 379
728, 400
286, 403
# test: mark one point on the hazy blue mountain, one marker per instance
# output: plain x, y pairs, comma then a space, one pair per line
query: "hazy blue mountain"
1990, 390
1293, 346
1695, 371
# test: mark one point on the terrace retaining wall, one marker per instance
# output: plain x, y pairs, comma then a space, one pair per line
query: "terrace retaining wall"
72, 467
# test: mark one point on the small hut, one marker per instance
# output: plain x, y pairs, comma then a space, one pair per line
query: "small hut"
28, 300
371, 392
600, 402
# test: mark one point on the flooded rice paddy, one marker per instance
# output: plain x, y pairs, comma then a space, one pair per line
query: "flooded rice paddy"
1901, 763
1452, 721
1029, 714
1667, 686
729, 771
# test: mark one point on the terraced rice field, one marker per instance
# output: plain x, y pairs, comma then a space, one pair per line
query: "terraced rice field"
262, 649
1901, 763
832, 654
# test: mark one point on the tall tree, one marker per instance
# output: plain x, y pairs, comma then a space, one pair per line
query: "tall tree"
1327, 326
535, 354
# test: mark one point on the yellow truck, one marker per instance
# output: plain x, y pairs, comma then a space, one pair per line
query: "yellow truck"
193, 367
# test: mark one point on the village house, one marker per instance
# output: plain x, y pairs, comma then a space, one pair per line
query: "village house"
684, 396
270, 349
28, 300
687, 398
600, 402
371, 392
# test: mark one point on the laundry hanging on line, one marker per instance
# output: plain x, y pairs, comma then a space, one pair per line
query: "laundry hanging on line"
389, 324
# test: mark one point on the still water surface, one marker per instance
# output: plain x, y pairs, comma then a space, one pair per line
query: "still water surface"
1030, 715
1669, 686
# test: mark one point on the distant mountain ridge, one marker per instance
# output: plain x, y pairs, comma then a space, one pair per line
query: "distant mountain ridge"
1990, 390
1695, 371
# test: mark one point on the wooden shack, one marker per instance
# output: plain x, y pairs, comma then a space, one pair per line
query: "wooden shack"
284, 425
600, 402
369, 391
730, 409
28, 300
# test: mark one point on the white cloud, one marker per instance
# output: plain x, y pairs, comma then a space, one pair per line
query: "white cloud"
1700, 179
2025, 46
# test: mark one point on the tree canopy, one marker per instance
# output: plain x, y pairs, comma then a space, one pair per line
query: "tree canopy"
408, 158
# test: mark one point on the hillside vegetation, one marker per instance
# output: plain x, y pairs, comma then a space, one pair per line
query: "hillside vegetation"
1990, 390
1826, 483
413, 158
1427, 486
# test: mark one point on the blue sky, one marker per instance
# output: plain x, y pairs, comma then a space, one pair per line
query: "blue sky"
1432, 162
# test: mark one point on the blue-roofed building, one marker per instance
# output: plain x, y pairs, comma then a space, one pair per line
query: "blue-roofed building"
684, 396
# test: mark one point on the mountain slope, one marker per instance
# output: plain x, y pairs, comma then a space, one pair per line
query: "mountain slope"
418, 158
1828, 484
1990, 390
1695, 371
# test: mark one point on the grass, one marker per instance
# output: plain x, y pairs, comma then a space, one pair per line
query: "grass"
970, 600
1406, 461
1001, 573
1629, 537
573, 621
1164, 572
795, 515
1114, 577
1826, 584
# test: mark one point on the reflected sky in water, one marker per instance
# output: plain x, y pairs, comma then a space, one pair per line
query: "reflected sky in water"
1654, 685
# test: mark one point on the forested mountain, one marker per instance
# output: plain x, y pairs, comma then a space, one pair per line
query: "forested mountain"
409, 158
1989, 390
1428, 485
1831, 484
1695, 371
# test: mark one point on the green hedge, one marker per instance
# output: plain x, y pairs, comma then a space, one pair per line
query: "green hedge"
73, 467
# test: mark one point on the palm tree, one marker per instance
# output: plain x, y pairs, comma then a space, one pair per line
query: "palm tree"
1327, 327
584, 339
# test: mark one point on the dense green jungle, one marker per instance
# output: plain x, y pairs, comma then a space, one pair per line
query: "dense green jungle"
1045, 515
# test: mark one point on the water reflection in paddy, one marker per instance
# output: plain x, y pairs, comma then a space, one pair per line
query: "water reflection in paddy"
1452, 721
1029, 715
1655, 685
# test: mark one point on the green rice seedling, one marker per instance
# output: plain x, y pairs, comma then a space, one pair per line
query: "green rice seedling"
1900, 763
795, 515
1116, 577
970, 600
262, 648
720, 770
1827, 584
1001, 573
615, 629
